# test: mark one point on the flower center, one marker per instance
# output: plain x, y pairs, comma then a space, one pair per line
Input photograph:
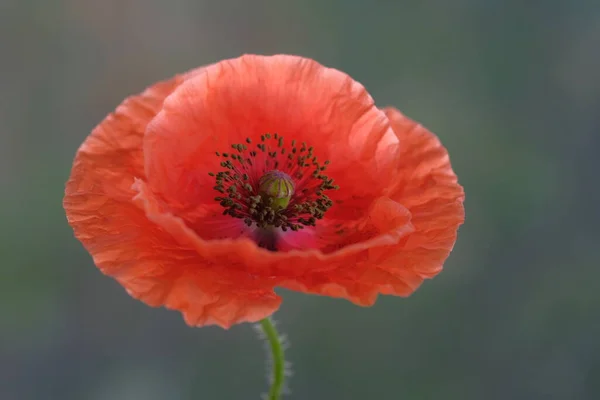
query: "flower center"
273, 186
276, 188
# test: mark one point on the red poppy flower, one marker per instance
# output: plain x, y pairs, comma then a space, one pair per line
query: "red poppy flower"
207, 191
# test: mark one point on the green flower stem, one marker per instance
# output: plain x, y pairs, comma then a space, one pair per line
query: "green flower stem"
278, 358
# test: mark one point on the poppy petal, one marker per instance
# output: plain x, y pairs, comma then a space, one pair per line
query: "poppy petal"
429, 188
426, 185
245, 98
342, 273
126, 245
210, 290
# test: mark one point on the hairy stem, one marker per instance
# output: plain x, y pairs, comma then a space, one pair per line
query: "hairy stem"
277, 357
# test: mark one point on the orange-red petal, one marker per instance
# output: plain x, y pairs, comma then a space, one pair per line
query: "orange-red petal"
252, 95
136, 251
428, 187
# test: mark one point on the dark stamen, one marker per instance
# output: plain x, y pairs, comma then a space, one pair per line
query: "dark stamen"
243, 173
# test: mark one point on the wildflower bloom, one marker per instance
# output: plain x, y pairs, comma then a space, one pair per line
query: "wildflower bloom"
207, 191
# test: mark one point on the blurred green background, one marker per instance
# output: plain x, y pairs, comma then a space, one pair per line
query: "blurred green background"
511, 87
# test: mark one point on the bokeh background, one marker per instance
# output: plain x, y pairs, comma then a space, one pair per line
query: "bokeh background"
512, 88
